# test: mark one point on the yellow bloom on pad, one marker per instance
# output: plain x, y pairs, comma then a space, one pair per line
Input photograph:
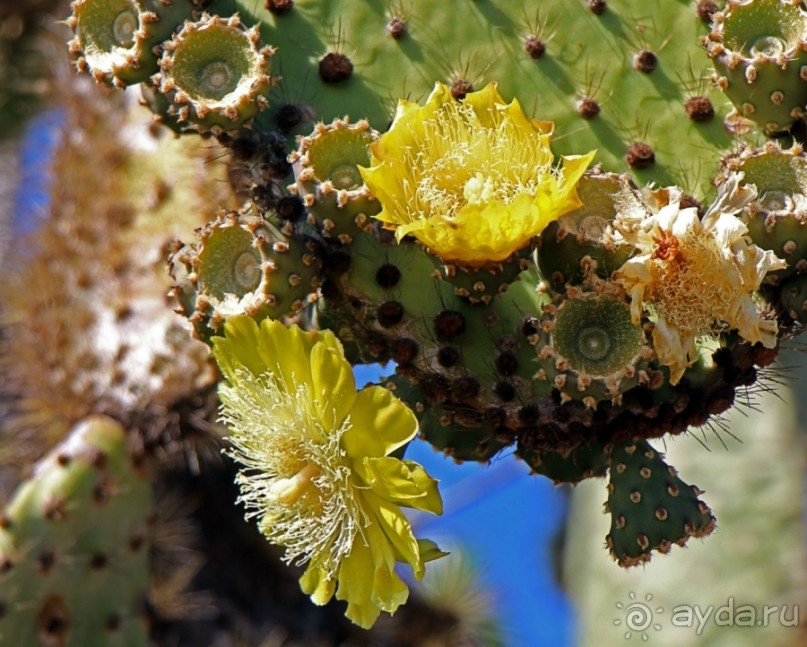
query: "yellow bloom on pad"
473, 180
697, 277
315, 464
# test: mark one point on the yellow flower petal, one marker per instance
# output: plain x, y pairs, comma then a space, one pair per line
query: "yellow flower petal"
315, 583
334, 387
367, 579
400, 481
236, 350
380, 424
430, 551
397, 529
472, 180
316, 469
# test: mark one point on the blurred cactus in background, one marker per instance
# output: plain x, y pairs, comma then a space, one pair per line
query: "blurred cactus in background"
573, 229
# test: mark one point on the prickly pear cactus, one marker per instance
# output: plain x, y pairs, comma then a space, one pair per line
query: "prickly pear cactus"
82, 516
553, 222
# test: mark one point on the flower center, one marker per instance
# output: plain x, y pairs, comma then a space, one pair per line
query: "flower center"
462, 159
478, 189
216, 78
289, 490
768, 46
247, 270
692, 288
594, 343
123, 28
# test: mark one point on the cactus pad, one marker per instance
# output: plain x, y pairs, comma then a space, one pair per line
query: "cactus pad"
73, 558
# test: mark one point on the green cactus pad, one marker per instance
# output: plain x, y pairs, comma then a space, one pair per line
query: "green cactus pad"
115, 39
758, 49
372, 70
651, 507
74, 563
483, 284
214, 74
574, 466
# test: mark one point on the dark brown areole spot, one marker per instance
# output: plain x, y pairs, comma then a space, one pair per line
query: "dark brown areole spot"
705, 10
465, 389
435, 389
506, 364
587, 108
688, 201
404, 351
535, 47
337, 262
449, 324
461, 87
639, 155
396, 27
289, 116
699, 109
53, 622
377, 345
504, 391
448, 356
528, 415
290, 208
390, 313
46, 560
645, 61
388, 276
597, 7
335, 67
279, 7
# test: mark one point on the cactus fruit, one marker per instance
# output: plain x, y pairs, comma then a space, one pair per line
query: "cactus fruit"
776, 218
759, 49
326, 169
115, 40
214, 74
584, 240
82, 516
242, 264
593, 351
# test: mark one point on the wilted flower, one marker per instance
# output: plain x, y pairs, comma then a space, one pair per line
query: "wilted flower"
316, 467
697, 277
472, 180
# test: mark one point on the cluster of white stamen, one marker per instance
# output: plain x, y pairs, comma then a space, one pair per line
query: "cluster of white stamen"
458, 159
295, 475
696, 287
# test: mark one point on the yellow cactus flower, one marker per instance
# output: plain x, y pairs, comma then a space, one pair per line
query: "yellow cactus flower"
696, 277
473, 180
315, 464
